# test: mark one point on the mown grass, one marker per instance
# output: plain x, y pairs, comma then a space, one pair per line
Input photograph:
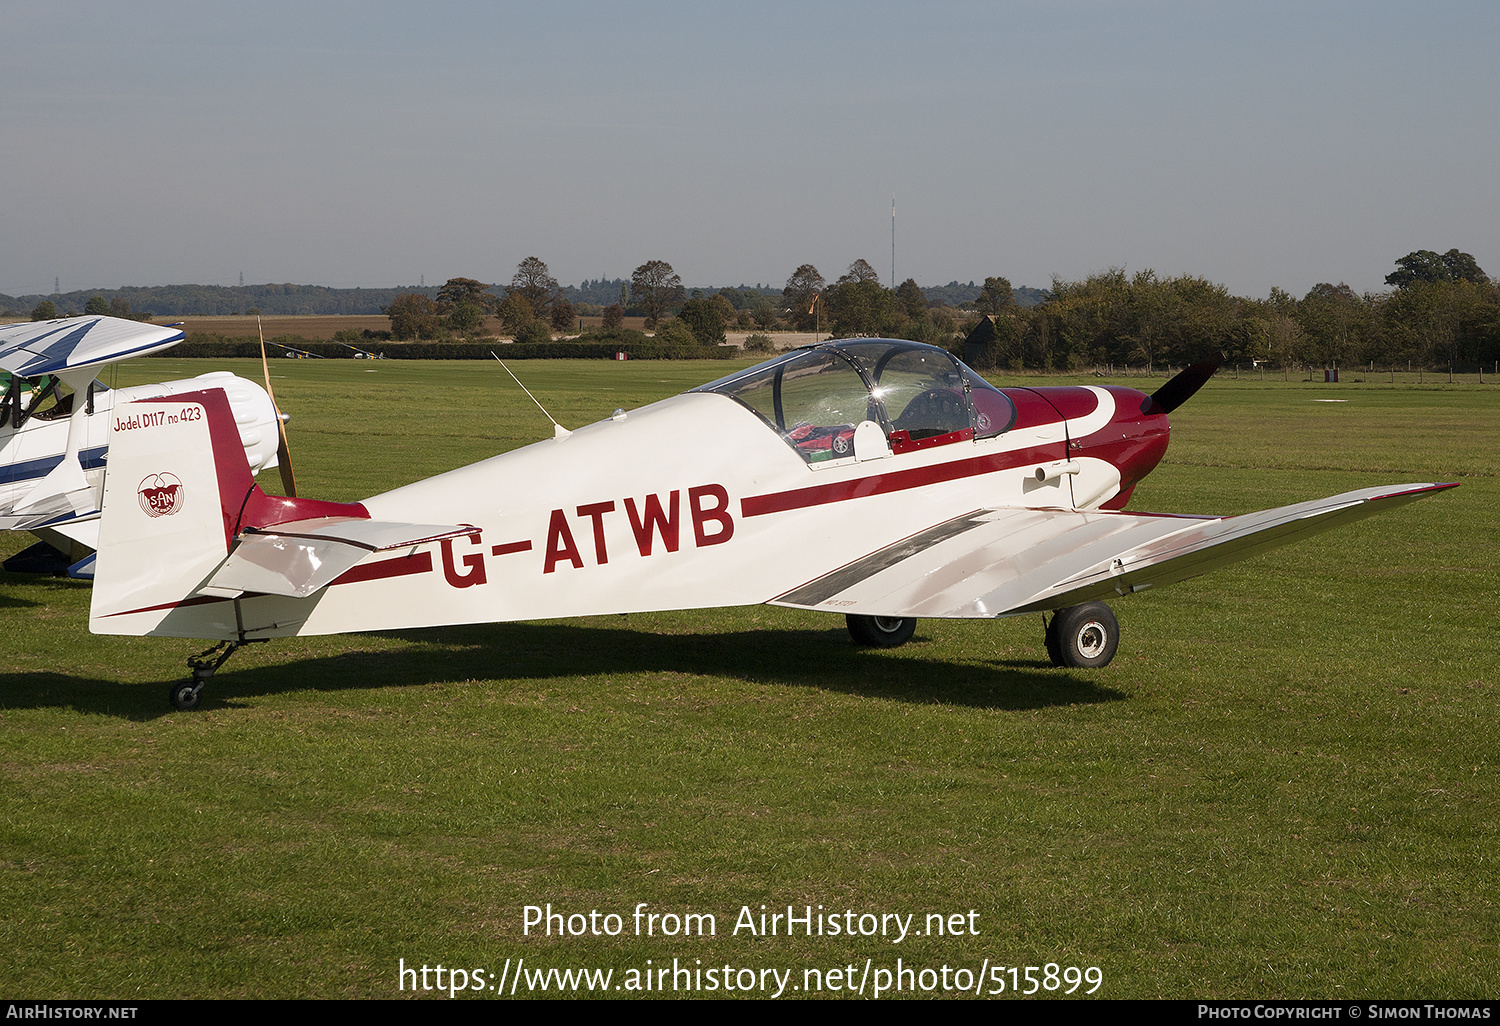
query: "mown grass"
1283, 786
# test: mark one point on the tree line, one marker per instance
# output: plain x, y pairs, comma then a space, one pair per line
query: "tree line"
1441, 310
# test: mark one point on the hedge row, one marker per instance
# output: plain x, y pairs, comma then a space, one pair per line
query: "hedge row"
221, 348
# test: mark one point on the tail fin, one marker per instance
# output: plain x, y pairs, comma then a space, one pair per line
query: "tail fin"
175, 483
179, 498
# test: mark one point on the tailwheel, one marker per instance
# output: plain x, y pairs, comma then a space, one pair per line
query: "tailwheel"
1083, 637
881, 631
185, 696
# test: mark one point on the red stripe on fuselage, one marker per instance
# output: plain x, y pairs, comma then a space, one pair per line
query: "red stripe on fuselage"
901, 480
199, 601
401, 566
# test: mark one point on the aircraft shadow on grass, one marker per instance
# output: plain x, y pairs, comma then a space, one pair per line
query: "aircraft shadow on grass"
493, 654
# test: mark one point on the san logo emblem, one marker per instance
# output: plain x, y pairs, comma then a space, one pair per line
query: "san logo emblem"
160, 495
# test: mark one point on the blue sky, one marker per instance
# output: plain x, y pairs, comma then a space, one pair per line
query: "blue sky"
1256, 145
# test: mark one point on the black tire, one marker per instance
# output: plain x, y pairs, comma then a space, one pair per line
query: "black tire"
881, 631
1054, 647
1087, 636
184, 696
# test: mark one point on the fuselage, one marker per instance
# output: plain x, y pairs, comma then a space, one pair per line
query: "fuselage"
731, 494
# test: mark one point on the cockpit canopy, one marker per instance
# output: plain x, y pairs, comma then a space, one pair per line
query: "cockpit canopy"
45, 398
817, 396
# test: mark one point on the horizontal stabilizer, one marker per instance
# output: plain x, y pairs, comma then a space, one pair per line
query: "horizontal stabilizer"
1008, 561
296, 559
64, 490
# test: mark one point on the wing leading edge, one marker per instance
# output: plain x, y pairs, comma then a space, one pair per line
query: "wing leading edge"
31, 349
1003, 562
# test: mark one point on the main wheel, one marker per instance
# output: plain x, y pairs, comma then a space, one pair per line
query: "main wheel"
185, 696
881, 631
1083, 637
1054, 647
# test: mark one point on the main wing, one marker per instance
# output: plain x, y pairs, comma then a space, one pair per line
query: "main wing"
1002, 562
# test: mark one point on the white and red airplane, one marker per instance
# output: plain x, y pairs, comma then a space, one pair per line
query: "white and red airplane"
55, 421
879, 479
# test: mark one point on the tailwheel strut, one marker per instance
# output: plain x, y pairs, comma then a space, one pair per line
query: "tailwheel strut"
186, 695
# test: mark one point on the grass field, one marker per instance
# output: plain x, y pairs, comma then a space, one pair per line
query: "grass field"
1284, 785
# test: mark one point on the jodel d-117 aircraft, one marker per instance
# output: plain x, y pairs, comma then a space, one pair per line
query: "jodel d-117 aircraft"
55, 421
879, 479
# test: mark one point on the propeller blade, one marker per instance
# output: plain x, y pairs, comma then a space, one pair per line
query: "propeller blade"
283, 451
1181, 388
284, 464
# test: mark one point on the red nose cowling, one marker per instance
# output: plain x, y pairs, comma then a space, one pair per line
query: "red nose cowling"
1134, 440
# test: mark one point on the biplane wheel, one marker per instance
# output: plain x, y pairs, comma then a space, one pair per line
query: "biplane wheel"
1084, 637
881, 631
185, 696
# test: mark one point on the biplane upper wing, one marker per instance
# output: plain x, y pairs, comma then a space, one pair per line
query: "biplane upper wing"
31, 349
1002, 562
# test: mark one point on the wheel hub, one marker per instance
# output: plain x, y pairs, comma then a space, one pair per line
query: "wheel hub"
1091, 639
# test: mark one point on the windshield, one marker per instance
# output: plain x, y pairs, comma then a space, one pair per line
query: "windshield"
817, 396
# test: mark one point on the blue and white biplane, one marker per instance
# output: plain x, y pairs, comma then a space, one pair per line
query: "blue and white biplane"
55, 423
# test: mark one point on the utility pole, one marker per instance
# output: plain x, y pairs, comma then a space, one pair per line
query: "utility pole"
893, 242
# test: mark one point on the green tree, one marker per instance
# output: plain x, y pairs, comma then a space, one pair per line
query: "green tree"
859, 307
1331, 317
996, 296
46, 310
655, 287
705, 319
860, 270
466, 318
516, 311
97, 306
1453, 322
763, 313
910, 299
459, 290
801, 291
1424, 265
727, 310
533, 330
676, 332
413, 315
534, 281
